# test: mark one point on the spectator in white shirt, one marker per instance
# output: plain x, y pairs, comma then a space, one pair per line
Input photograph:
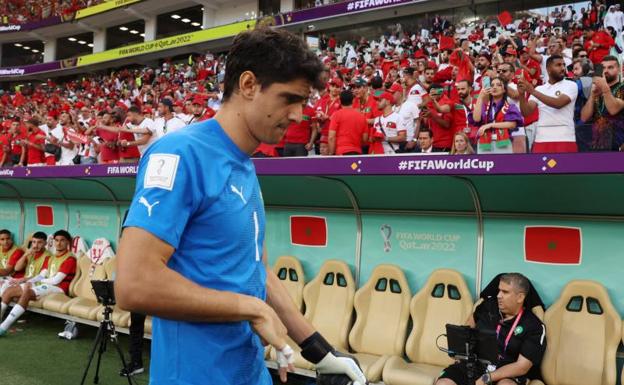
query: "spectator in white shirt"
613, 19
167, 121
555, 100
143, 128
69, 150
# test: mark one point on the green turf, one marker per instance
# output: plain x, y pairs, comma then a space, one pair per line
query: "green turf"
32, 354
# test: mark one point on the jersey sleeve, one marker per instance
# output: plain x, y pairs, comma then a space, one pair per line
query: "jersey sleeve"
68, 267
164, 198
534, 344
17, 254
571, 89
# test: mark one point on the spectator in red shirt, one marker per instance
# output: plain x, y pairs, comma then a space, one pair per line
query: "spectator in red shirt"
299, 137
128, 153
5, 149
17, 134
109, 151
331, 43
325, 108
348, 128
200, 111
33, 146
598, 44
437, 109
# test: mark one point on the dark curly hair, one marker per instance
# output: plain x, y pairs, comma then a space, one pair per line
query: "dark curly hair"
274, 56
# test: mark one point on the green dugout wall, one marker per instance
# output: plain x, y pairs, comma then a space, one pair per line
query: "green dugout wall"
475, 224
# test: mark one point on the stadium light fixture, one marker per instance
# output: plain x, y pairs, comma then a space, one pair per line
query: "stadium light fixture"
123, 28
176, 17
142, 35
35, 50
26, 47
17, 45
90, 45
72, 39
134, 32
185, 20
195, 24
82, 42
202, 8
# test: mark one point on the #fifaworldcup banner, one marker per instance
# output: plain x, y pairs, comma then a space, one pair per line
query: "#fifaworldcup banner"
331, 10
553, 245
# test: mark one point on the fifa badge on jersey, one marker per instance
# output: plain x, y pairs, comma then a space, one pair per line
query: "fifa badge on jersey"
518, 330
161, 171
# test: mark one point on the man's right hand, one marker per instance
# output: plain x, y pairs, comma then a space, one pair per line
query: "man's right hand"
268, 326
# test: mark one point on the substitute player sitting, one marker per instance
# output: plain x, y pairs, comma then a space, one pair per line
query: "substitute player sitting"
28, 265
521, 336
54, 276
10, 254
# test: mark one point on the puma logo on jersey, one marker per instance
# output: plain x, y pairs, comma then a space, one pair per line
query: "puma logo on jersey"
145, 203
238, 192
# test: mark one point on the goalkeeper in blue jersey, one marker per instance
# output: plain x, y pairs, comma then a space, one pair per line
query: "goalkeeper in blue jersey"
192, 251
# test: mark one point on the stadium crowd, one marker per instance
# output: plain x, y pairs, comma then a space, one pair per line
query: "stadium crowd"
27, 11
549, 84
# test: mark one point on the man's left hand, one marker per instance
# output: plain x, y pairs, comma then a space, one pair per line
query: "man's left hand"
339, 369
332, 367
285, 362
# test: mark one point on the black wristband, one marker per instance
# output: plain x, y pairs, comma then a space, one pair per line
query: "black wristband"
315, 348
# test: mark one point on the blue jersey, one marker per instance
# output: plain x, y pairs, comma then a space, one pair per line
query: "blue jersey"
197, 191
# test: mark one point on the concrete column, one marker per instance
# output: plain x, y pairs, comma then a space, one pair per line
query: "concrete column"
208, 19
150, 29
49, 50
287, 5
99, 41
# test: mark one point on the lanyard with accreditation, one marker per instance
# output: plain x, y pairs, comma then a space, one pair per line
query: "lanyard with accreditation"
511, 332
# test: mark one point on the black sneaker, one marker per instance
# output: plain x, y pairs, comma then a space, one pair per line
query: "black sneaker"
132, 369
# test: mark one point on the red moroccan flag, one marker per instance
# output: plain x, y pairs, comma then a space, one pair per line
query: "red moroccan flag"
549, 244
45, 216
505, 18
308, 231
446, 42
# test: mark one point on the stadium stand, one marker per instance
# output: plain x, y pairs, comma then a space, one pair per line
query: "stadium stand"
453, 50
24, 11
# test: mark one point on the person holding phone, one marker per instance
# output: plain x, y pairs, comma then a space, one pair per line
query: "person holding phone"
604, 107
496, 118
555, 131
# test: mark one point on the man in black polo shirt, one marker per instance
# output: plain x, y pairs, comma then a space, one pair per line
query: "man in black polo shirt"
521, 337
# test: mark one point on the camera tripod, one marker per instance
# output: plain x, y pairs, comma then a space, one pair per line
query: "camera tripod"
106, 332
